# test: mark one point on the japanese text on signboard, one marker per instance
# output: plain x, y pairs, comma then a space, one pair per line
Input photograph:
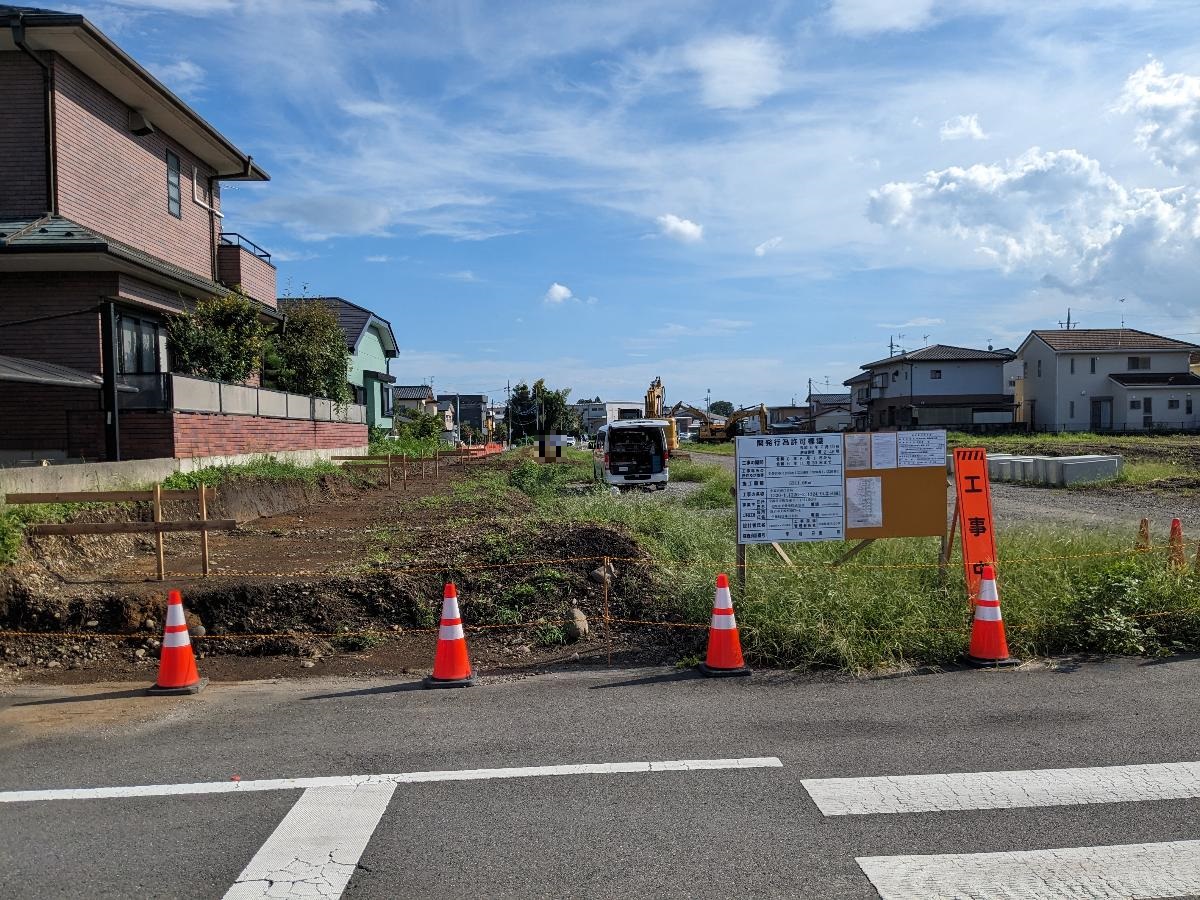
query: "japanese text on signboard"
790, 488
974, 514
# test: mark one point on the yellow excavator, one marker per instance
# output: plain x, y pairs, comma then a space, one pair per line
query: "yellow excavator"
654, 410
710, 432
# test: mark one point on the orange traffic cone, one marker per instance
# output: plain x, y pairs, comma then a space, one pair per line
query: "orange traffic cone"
177, 672
724, 647
451, 667
989, 647
1178, 556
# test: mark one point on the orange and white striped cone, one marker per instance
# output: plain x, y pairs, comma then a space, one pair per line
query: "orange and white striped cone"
724, 646
451, 667
1175, 552
989, 647
177, 673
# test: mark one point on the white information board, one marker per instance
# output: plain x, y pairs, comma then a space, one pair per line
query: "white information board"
918, 449
790, 488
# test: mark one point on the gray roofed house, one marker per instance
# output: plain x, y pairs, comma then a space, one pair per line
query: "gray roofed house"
372, 346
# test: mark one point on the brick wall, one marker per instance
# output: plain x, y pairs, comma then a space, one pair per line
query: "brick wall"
38, 417
256, 276
115, 182
22, 137
73, 341
147, 434
198, 434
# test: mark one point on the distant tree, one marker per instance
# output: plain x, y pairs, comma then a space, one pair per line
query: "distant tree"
721, 408
222, 339
541, 410
308, 355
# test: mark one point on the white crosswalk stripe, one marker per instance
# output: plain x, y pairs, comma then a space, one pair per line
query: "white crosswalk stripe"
1144, 871
1004, 790
1153, 870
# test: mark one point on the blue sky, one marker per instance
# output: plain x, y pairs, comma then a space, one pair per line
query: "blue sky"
736, 197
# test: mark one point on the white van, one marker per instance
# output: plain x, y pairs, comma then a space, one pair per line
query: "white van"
632, 453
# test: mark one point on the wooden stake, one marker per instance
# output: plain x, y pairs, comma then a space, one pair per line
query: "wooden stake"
158, 535
607, 617
1143, 538
741, 570
948, 541
782, 555
389, 471
436, 462
203, 497
404, 469
854, 551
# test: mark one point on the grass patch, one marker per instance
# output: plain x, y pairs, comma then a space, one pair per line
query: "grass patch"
1064, 590
264, 468
725, 449
1143, 473
418, 448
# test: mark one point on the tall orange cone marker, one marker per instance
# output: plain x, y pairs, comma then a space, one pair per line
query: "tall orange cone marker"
1177, 555
451, 667
177, 672
988, 645
724, 646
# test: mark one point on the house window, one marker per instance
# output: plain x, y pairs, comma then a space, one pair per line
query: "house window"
1039, 368
1135, 404
386, 409
895, 376
1188, 406
1072, 365
1071, 406
1172, 403
142, 346
1092, 365
1138, 363
173, 205
935, 373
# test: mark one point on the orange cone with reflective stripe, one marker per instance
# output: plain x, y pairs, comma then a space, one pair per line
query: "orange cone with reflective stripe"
989, 647
724, 647
451, 667
177, 672
1175, 551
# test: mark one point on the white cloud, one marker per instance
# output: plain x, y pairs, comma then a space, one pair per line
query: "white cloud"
768, 244
468, 276
378, 258
867, 17
684, 230
1168, 109
182, 76
918, 322
557, 294
962, 128
286, 255
1059, 216
736, 71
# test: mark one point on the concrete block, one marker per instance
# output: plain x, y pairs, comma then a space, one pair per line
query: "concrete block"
299, 406
239, 400
273, 404
195, 394
1085, 471
322, 410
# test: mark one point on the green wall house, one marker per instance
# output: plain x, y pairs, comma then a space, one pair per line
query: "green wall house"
372, 345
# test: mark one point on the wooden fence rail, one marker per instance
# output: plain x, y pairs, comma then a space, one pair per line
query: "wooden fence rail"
158, 527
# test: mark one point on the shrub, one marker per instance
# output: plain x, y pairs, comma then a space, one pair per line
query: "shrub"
309, 355
221, 339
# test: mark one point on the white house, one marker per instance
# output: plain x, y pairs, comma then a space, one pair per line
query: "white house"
940, 386
830, 412
593, 416
1101, 379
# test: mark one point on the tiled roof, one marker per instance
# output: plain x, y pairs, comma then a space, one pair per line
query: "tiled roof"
1109, 339
829, 399
943, 353
55, 234
1158, 379
412, 392
353, 319
859, 378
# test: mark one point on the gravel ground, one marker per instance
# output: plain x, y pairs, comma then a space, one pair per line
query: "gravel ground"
1108, 508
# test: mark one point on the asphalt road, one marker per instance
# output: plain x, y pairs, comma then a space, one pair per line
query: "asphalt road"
745, 832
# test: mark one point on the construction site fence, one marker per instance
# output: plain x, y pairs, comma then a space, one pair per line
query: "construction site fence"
604, 617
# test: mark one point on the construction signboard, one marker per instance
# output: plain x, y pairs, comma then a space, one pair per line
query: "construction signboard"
790, 488
832, 487
974, 496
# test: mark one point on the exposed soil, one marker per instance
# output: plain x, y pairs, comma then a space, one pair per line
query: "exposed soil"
336, 578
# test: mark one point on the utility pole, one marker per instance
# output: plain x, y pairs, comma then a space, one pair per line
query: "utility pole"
508, 410
708, 400
458, 415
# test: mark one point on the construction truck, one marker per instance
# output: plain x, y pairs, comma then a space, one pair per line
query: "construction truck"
654, 410
713, 433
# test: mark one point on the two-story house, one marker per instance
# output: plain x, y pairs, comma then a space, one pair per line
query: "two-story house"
413, 398
937, 386
1102, 379
372, 346
860, 392
830, 412
110, 223
595, 414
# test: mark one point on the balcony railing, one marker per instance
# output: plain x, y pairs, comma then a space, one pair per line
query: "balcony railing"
185, 393
233, 239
